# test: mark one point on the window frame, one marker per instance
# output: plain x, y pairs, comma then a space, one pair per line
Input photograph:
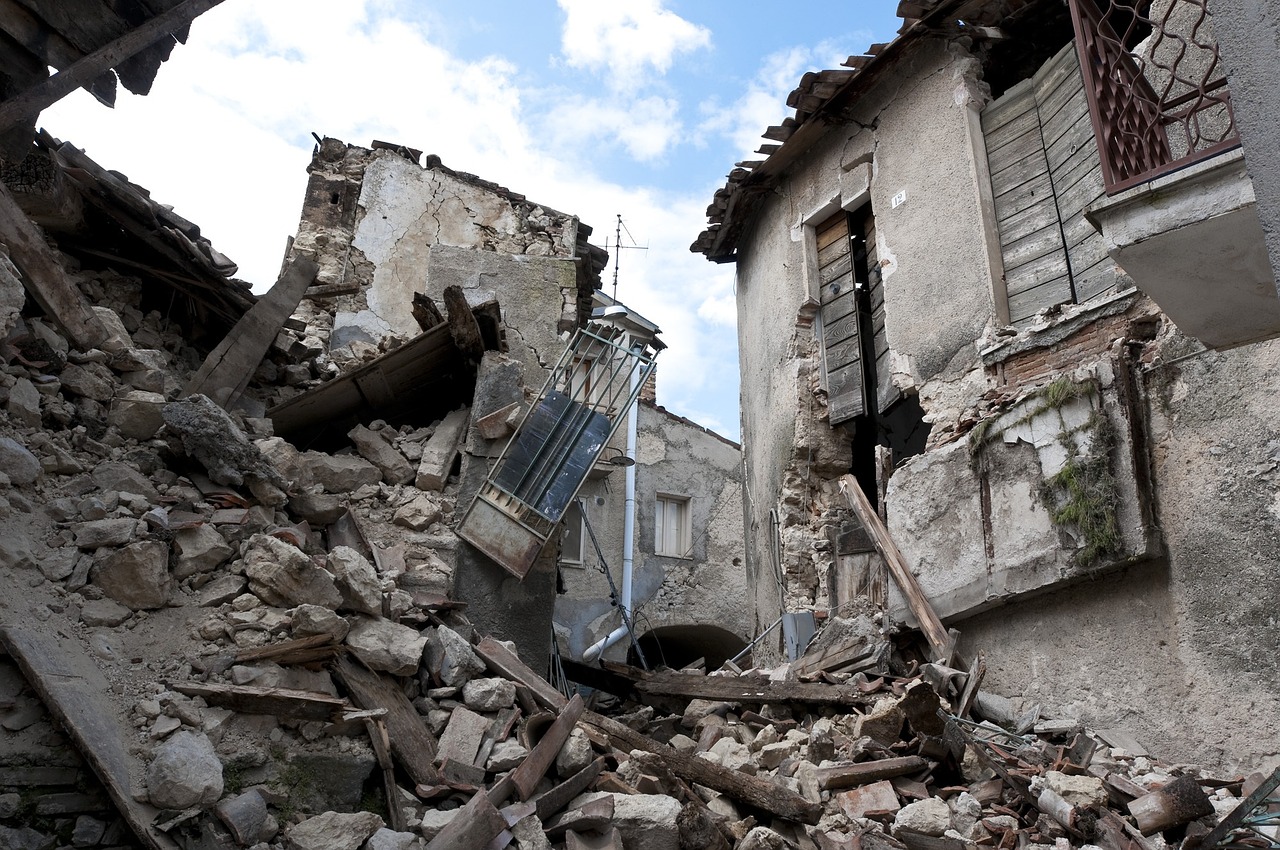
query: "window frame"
684, 528
575, 508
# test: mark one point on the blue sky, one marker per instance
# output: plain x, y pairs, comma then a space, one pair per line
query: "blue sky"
592, 107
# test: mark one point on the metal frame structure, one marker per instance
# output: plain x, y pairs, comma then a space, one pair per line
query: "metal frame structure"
1148, 73
538, 474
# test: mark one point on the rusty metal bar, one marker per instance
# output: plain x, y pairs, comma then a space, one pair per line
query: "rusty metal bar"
1155, 86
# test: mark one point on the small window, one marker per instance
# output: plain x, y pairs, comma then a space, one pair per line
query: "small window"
571, 536
671, 527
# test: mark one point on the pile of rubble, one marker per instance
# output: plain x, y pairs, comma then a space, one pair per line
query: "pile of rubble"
217, 640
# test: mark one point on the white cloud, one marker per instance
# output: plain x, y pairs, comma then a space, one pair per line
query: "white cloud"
225, 138
645, 127
764, 102
626, 38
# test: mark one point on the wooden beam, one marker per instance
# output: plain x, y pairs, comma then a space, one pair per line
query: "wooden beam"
558, 797
462, 323
227, 370
72, 687
742, 689
282, 702
507, 664
839, 776
411, 741
30, 103
760, 793
535, 765
44, 277
940, 642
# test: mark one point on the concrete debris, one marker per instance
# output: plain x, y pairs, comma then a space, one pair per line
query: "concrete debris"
185, 773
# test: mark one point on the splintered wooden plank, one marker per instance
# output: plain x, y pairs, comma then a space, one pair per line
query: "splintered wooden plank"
939, 641
72, 687
473, 827
507, 664
558, 797
412, 743
31, 102
535, 765
251, 699
226, 371
838, 776
44, 277
761, 793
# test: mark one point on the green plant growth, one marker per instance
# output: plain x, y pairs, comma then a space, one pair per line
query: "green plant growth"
1083, 493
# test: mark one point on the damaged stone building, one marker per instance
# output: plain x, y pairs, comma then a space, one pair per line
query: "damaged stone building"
1024, 304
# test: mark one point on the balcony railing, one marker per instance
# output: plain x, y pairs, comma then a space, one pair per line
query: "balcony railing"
1156, 87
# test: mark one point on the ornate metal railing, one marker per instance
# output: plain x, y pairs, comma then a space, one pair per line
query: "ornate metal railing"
1156, 87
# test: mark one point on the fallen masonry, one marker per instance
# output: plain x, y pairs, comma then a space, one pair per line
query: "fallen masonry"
215, 638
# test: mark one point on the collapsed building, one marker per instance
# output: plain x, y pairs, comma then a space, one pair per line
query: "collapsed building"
1036, 354
251, 600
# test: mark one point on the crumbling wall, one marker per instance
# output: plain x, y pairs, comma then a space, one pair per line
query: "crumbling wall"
913, 134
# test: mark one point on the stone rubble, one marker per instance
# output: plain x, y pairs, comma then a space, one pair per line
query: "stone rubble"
181, 544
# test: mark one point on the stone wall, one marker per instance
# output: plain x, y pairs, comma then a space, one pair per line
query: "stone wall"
709, 588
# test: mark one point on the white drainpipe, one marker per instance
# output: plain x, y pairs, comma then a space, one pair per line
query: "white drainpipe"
628, 528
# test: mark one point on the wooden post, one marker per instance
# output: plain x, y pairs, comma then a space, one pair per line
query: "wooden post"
44, 278
227, 370
31, 102
940, 642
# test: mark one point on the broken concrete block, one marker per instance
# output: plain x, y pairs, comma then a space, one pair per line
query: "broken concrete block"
280, 574
434, 820
357, 581
883, 723
185, 773
24, 404
120, 477
316, 620
59, 564
762, 838
575, 755
396, 469
136, 414
927, 817
386, 839
646, 821
489, 694
17, 462
103, 612
448, 655
333, 831
97, 533
91, 380
245, 815
340, 473
317, 508
137, 576
383, 645
873, 799
419, 514
1077, 790
506, 755
211, 436
199, 550
463, 736
440, 450
501, 423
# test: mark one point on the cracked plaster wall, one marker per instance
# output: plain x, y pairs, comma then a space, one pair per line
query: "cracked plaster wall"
674, 457
913, 132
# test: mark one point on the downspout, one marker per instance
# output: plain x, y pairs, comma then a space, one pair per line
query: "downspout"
628, 526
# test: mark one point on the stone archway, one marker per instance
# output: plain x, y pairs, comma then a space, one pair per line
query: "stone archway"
679, 646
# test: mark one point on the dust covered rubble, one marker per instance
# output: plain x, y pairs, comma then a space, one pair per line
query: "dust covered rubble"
215, 573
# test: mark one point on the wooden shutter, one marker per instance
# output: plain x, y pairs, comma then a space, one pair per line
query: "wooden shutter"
1045, 172
841, 342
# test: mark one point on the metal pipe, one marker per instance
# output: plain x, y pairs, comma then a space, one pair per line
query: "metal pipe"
628, 526
759, 638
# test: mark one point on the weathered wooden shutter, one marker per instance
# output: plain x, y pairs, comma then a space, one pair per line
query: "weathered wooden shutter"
886, 392
841, 342
1045, 172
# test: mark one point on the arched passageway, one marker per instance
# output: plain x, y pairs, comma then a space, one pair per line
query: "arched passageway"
679, 646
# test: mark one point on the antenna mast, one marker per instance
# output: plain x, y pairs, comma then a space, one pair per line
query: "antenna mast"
618, 246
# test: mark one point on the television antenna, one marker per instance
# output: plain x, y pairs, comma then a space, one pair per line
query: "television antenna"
618, 248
